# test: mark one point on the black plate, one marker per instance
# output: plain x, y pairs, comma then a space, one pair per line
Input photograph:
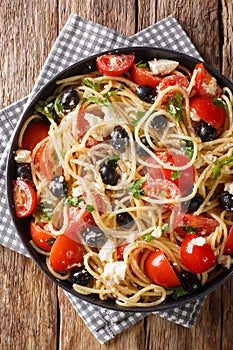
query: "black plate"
22, 225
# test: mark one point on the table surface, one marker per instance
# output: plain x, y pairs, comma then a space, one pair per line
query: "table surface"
35, 313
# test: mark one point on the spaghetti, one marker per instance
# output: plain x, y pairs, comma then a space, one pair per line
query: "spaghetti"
121, 176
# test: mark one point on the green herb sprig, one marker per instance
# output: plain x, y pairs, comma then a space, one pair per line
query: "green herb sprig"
43, 210
44, 108
78, 202
219, 165
175, 106
135, 188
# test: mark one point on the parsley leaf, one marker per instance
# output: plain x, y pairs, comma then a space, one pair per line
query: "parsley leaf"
59, 105
219, 165
139, 116
93, 85
165, 227
187, 147
175, 106
50, 241
44, 108
78, 202
219, 102
175, 174
189, 229
141, 64
179, 292
98, 101
112, 161
113, 92
148, 237
135, 188
43, 210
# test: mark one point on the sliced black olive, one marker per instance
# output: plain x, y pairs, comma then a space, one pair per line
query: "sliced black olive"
125, 219
146, 93
141, 151
81, 276
69, 99
194, 204
108, 174
206, 132
190, 282
58, 186
94, 236
24, 171
119, 138
226, 201
159, 122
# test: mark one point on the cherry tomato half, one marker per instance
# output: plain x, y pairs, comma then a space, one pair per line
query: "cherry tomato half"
143, 76
160, 189
114, 65
47, 164
205, 85
159, 270
34, 133
120, 251
228, 248
183, 179
65, 254
212, 114
172, 80
195, 256
24, 198
41, 237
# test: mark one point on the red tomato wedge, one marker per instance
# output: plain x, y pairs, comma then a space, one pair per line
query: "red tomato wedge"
205, 85
24, 198
160, 189
228, 248
143, 76
195, 256
159, 270
41, 237
114, 65
65, 254
183, 179
201, 224
120, 252
172, 80
211, 113
34, 133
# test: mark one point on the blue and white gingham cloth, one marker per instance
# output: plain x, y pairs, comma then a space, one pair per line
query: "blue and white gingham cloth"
79, 39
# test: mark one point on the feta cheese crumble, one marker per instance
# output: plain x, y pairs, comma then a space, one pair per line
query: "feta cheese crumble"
107, 250
229, 187
162, 66
114, 272
23, 156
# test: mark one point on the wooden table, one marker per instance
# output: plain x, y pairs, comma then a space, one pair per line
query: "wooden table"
35, 314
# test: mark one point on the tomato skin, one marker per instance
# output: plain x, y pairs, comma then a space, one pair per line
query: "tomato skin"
214, 115
34, 133
65, 254
228, 248
197, 259
40, 236
172, 80
205, 85
203, 225
159, 270
25, 199
120, 252
114, 65
143, 76
184, 180
160, 189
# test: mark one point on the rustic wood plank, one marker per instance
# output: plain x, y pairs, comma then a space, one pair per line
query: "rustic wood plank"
27, 305
227, 44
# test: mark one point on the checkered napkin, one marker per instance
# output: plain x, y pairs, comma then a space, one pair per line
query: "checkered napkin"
79, 39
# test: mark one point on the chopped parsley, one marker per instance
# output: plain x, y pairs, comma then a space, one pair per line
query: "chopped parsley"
219, 165
98, 101
175, 174
50, 241
78, 202
139, 116
179, 292
44, 108
216, 101
112, 161
141, 64
148, 237
165, 227
187, 147
175, 106
60, 106
113, 92
189, 229
135, 188
43, 210
93, 85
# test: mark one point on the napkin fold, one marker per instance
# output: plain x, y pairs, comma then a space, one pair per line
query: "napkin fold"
79, 39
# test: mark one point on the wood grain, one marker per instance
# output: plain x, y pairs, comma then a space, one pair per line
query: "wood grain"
35, 314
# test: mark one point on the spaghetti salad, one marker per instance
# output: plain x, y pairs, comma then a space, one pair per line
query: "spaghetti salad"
126, 173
